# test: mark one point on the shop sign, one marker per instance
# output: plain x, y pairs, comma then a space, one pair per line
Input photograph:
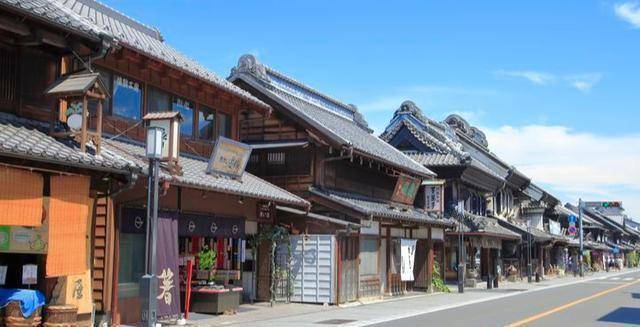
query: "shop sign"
406, 189
554, 227
17, 239
408, 255
30, 274
202, 225
265, 213
229, 158
74, 290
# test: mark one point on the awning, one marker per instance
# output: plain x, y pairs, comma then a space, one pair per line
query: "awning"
365, 207
194, 175
521, 228
484, 226
318, 216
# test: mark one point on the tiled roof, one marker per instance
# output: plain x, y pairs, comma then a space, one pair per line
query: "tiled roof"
340, 123
73, 84
53, 12
483, 225
445, 147
28, 139
94, 19
435, 159
378, 208
194, 176
519, 226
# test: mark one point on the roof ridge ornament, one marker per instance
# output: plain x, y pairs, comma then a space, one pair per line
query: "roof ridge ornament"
249, 64
461, 125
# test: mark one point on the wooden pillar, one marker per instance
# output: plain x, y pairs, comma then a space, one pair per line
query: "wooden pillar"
429, 261
98, 139
83, 131
388, 254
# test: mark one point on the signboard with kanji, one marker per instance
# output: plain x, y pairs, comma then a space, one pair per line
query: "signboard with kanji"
229, 158
406, 189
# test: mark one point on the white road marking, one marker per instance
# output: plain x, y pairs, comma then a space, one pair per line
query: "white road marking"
615, 278
628, 278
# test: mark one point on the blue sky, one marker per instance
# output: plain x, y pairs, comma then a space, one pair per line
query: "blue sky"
553, 83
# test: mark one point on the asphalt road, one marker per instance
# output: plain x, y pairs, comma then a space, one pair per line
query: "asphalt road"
612, 301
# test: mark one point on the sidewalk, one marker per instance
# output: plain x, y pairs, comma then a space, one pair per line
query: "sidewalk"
357, 314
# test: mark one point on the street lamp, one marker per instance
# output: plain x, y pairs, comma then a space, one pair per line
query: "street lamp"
163, 140
149, 285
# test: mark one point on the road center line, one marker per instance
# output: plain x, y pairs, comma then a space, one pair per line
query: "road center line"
570, 304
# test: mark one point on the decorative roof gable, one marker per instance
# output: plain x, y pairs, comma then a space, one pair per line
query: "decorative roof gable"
339, 122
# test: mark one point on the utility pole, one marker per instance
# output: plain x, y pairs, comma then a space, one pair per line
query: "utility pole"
461, 254
581, 237
529, 266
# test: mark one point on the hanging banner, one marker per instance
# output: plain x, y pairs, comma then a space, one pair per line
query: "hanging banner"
408, 256
167, 266
211, 226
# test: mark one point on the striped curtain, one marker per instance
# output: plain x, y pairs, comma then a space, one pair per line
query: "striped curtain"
68, 222
20, 197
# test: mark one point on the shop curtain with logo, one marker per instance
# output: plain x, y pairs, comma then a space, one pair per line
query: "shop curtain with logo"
20, 197
167, 265
68, 222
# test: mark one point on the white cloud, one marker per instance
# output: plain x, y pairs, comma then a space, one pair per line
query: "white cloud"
584, 82
581, 82
535, 77
629, 12
574, 164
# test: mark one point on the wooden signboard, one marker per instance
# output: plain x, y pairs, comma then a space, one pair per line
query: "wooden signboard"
265, 213
229, 158
406, 189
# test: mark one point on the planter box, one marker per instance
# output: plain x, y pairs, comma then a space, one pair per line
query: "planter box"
215, 301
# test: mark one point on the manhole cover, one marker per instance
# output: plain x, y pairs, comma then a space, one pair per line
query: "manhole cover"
335, 321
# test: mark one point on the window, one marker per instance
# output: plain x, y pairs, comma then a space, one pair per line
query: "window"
38, 70
105, 76
276, 158
131, 257
224, 125
158, 100
206, 123
127, 98
185, 107
368, 256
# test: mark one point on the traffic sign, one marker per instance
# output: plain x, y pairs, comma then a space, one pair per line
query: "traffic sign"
572, 219
572, 230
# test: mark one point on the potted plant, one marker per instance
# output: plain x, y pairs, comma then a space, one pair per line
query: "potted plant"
206, 263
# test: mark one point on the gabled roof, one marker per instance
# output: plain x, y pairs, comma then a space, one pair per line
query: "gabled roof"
195, 176
28, 139
443, 147
75, 84
379, 209
95, 20
337, 123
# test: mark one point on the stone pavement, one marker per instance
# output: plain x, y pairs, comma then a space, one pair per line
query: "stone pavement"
362, 314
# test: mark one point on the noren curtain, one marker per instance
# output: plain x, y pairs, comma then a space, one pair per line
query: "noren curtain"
20, 197
68, 222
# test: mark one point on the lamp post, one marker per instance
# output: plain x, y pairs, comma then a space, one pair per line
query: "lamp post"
149, 285
461, 252
581, 237
529, 267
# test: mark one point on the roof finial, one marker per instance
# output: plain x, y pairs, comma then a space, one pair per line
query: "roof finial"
248, 64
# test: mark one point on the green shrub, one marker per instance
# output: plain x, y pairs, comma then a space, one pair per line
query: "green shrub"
437, 282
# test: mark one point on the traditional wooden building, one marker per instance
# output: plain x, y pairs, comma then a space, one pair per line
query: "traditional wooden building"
478, 185
362, 190
103, 71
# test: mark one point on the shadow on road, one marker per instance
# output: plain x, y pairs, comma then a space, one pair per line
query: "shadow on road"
623, 315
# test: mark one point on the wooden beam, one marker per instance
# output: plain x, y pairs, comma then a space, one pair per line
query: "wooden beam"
14, 26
